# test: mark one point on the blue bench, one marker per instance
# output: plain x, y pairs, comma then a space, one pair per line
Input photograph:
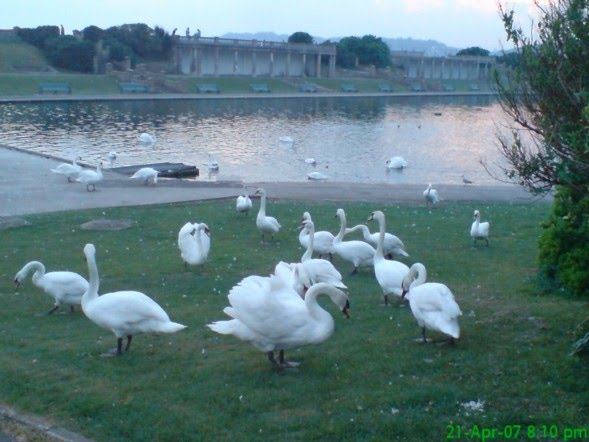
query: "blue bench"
308, 87
383, 87
417, 88
132, 87
260, 88
448, 88
474, 87
207, 88
55, 88
348, 87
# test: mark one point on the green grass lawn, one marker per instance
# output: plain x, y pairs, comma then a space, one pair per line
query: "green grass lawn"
370, 381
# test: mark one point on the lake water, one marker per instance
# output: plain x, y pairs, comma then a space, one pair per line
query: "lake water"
350, 138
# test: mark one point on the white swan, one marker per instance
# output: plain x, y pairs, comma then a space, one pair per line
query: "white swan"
318, 270
194, 242
269, 314
432, 303
392, 244
479, 230
431, 196
147, 174
69, 170
310, 161
389, 274
147, 138
112, 157
213, 165
286, 139
323, 240
91, 177
396, 163
243, 204
125, 313
317, 176
265, 224
359, 253
64, 287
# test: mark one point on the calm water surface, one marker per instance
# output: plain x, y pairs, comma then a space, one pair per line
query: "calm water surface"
350, 138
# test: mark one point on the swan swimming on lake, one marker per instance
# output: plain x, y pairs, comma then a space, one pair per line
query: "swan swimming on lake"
112, 157
64, 287
269, 314
91, 177
147, 138
317, 176
125, 313
69, 170
432, 304
147, 174
396, 163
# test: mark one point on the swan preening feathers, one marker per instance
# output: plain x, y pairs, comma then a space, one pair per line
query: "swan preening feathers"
479, 230
125, 313
194, 242
269, 314
432, 303
64, 287
243, 204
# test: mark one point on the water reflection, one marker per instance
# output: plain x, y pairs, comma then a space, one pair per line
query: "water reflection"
441, 138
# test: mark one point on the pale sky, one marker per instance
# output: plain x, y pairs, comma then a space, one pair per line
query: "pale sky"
457, 23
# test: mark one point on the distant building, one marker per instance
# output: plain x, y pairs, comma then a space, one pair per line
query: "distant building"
216, 56
419, 67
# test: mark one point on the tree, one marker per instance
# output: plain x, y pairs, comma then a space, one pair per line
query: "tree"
68, 52
547, 96
301, 37
368, 50
474, 51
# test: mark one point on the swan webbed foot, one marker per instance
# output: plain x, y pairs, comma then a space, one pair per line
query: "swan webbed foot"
112, 352
50, 312
118, 351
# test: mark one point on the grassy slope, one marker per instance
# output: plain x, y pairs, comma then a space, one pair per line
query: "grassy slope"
370, 381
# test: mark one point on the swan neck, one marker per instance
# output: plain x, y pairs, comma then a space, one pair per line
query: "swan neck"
309, 252
342, 228
263, 204
93, 282
420, 275
381, 232
39, 269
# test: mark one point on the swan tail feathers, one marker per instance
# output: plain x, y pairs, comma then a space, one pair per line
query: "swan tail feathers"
172, 327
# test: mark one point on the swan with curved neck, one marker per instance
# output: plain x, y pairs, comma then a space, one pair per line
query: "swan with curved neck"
243, 204
147, 174
432, 304
318, 270
64, 287
125, 313
392, 245
266, 224
479, 230
359, 253
194, 242
389, 274
323, 240
69, 170
269, 314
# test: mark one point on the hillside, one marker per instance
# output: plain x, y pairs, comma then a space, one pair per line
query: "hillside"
18, 56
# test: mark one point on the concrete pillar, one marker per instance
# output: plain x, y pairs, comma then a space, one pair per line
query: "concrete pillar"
288, 64
235, 59
216, 60
254, 62
272, 63
332, 65
192, 59
318, 69
198, 63
304, 63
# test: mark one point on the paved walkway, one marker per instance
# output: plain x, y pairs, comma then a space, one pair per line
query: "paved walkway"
28, 186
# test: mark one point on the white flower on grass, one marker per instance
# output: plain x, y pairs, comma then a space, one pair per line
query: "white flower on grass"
473, 406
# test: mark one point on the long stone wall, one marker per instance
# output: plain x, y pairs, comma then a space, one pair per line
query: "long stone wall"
418, 67
205, 56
